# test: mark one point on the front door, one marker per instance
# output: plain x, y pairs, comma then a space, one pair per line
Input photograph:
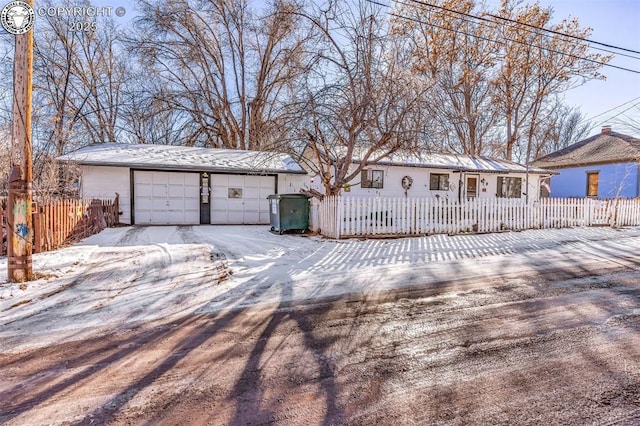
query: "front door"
472, 186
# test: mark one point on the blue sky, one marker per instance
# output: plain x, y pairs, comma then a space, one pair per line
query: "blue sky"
615, 22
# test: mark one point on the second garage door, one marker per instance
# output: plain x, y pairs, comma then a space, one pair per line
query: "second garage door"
238, 199
162, 198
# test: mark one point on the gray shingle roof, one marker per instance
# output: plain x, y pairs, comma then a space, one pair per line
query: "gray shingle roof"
169, 157
602, 148
455, 162
461, 163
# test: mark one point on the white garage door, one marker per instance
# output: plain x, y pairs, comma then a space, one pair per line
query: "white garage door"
163, 198
237, 199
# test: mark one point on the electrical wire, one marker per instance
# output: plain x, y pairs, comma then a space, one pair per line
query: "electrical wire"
501, 42
536, 29
609, 110
424, 3
564, 34
618, 114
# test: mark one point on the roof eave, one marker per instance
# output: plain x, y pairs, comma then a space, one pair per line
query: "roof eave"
590, 163
177, 168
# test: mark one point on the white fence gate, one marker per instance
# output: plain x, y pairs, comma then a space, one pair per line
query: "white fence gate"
339, 216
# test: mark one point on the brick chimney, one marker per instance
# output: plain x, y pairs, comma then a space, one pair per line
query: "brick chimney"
606, 130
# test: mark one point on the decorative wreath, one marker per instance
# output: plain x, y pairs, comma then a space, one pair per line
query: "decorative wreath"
407, 181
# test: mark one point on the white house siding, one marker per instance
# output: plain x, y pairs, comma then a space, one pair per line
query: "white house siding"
103, 182
292, 184
392, 186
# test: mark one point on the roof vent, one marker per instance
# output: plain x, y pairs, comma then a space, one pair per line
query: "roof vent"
606, 130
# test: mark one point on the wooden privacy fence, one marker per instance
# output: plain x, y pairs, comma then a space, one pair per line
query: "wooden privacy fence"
57, 222
338, 216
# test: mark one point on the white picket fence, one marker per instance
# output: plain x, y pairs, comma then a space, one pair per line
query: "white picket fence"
338, 217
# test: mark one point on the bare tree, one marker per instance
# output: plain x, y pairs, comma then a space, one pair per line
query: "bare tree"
628, 119
561, 126
537, 66
359, 104
459, 56
149, 120
55, 53
224, 66
78, 82
101, 71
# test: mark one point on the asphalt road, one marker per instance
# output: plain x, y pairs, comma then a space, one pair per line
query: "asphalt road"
549, 347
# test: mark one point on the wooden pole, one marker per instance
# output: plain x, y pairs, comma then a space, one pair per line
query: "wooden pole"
20, 221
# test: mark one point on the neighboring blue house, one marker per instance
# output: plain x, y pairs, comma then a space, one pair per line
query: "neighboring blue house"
602, 166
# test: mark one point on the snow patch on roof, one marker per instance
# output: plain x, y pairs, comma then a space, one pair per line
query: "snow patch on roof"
458, 162
172, 157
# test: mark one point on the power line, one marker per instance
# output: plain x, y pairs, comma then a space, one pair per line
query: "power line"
618, 114
563, 34
536, 30
424, 3
497, 41
609, 110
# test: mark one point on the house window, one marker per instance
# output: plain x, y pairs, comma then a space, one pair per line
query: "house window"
372, 179
592, 184
509, 187
438, 181
235, 192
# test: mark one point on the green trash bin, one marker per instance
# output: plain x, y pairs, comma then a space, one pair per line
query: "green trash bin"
288, 212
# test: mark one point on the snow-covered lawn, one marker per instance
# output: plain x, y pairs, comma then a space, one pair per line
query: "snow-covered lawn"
124, 276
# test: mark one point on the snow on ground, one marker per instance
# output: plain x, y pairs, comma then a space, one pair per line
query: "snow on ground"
125, 276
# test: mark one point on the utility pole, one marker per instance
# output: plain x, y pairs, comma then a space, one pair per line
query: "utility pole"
19, 216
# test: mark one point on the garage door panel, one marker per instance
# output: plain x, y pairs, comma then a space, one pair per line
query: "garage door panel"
176, 179
143, 177
159, 217
252, 218
252, 184
144, 203
159, 191
235, 205
251, 193
219, 196
159, 178
176, 204
221, 180
143, 216
176, 191
251, 206
178, 218
192, 203
234, 180
219, 216
264, 193
144, 190
166, 198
